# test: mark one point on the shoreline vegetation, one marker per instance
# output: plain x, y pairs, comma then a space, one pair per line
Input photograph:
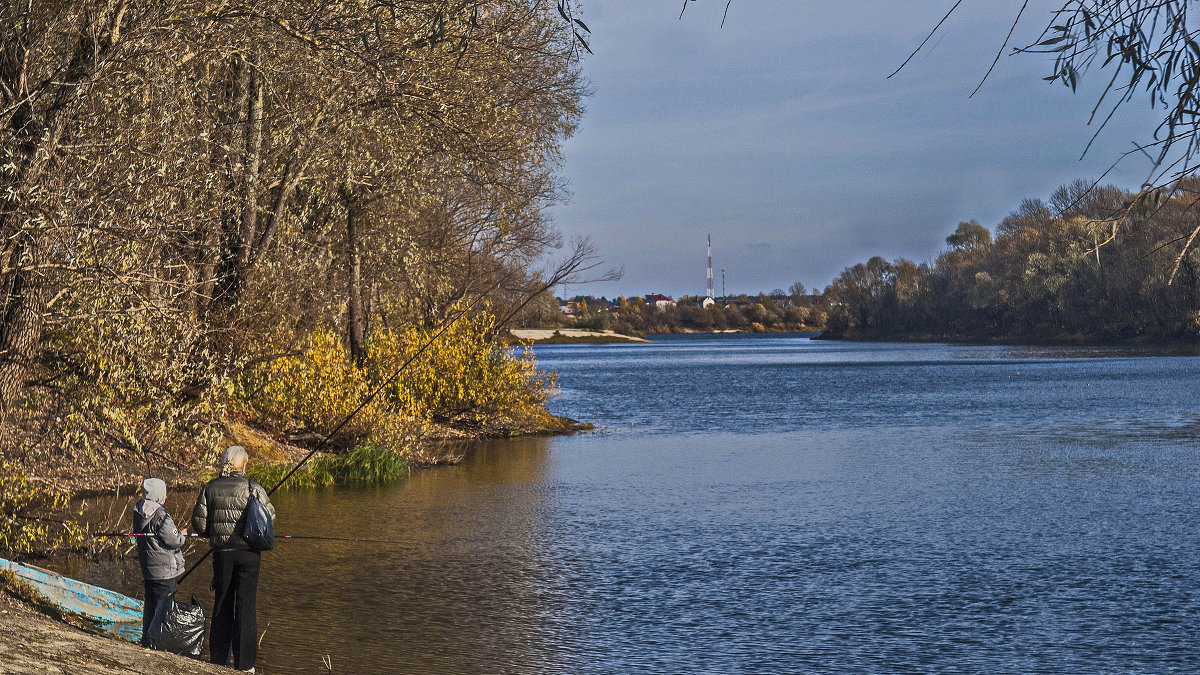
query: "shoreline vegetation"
794, 311
232, 227
464, 387
573, 336
1091, 266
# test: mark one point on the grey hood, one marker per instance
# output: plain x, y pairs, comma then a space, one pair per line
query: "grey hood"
146, 509
154, 489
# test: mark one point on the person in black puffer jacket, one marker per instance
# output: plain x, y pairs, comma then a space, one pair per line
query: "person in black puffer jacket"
159, 551
218, 515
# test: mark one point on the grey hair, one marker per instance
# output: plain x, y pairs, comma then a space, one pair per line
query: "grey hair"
235, 455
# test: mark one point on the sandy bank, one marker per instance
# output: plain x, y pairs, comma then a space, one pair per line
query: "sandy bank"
36, 643
571, 335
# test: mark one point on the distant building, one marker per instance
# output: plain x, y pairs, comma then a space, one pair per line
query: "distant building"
571, 308
659, 301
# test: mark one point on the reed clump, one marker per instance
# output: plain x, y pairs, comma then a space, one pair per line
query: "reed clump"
364, 464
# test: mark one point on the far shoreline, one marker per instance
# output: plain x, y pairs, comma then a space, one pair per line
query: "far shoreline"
561, 336
570, 336
1180, 347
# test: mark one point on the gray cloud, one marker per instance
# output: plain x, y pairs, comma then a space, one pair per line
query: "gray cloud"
782, 137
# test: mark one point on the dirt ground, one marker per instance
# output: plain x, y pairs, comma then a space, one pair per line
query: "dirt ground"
36, 643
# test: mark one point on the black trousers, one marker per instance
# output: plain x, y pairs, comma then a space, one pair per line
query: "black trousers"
156, 589
235, 582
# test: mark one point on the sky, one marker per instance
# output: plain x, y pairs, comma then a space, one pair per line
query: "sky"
781, 136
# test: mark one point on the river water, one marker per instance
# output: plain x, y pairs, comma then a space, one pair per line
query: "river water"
777, 504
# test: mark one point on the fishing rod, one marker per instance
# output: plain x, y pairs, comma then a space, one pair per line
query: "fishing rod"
370, 397
378, 389
278, 536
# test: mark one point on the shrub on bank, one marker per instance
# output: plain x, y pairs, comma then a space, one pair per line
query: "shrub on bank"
461, 378
463, 375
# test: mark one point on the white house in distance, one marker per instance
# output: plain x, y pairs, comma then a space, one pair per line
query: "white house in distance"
659, 301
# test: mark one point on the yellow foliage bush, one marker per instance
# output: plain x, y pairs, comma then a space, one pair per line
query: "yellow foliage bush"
461, 373
24, 503
462, 376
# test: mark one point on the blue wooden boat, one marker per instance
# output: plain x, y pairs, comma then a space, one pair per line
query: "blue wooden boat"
110, 611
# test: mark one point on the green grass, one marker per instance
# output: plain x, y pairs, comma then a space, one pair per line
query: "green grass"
371, 464
364, 464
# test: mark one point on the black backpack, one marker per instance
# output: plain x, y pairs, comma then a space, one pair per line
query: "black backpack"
257, 529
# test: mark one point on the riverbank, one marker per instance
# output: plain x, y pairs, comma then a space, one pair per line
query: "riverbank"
1181, 347
42, 641
761, 330
37, 643
579, 336
558, 336
273, 454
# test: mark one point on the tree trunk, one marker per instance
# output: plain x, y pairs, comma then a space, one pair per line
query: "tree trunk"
254, 136
233, 250
37, 122
20, 323
372, 306
355, 324
208, 260
22, 289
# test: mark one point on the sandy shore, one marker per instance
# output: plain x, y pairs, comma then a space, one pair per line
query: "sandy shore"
542, 334
36, 643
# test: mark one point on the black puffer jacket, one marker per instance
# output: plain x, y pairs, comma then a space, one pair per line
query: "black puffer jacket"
221, 507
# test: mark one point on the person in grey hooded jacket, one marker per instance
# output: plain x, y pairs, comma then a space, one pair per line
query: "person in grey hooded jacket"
159, 551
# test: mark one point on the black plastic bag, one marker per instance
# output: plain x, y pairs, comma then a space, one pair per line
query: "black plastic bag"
257, 529
177, 628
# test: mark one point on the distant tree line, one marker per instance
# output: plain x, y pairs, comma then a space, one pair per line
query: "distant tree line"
796, 310
1095, 264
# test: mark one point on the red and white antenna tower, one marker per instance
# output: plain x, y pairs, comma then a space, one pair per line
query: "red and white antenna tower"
709, 300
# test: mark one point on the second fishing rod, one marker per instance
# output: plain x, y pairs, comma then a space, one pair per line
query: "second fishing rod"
313, 537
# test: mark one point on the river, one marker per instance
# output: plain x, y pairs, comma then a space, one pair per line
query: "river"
777, 504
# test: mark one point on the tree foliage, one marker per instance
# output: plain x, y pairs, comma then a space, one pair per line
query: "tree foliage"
1078, 276
463, 377
740, 313
191, 190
